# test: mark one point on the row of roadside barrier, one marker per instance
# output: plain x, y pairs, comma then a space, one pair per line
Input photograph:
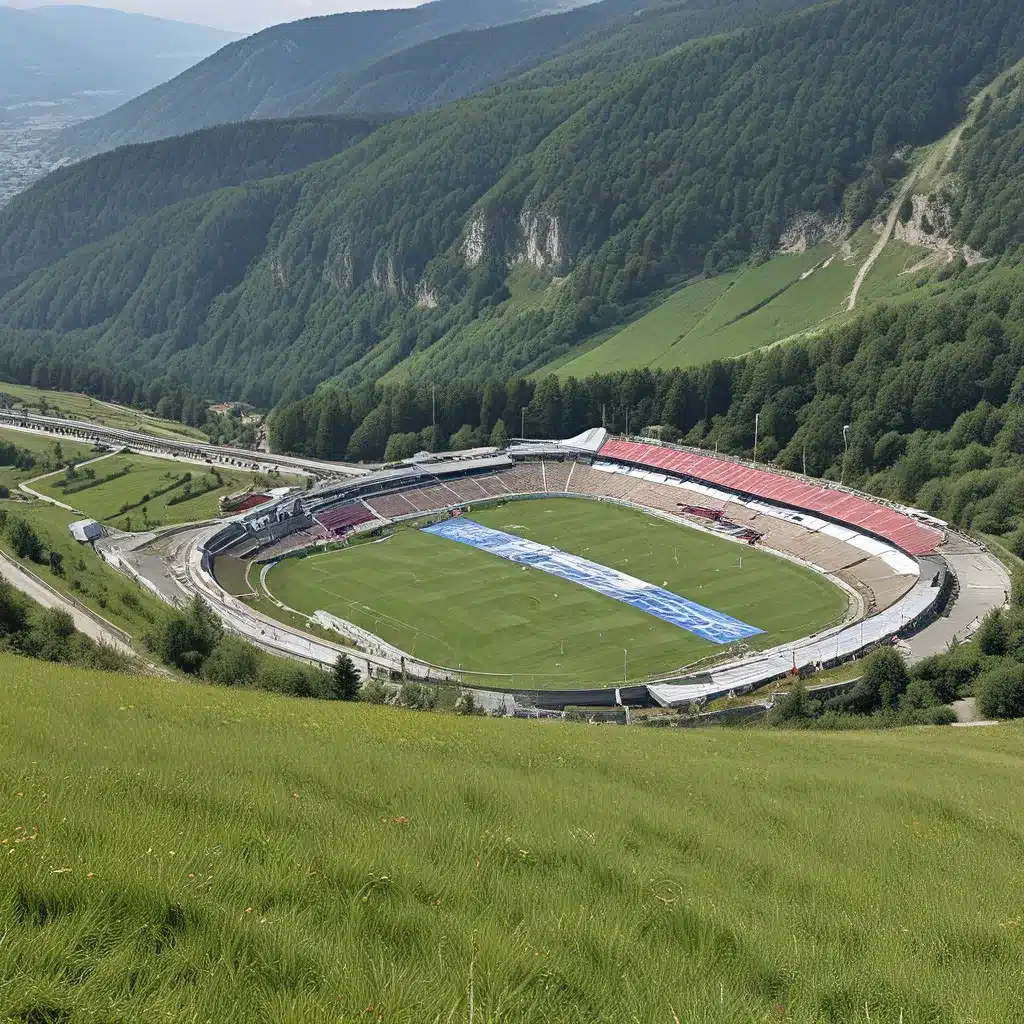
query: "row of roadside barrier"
116, 631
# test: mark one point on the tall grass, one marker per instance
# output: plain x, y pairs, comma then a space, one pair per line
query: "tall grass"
171, 853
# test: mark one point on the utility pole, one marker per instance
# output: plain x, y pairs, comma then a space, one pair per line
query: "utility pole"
757, 427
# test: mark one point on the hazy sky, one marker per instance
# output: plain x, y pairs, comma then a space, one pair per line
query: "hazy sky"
237, 15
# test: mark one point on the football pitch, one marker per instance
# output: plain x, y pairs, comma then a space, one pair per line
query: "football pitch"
455, 605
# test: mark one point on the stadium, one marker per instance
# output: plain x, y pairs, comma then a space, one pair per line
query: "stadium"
597, 571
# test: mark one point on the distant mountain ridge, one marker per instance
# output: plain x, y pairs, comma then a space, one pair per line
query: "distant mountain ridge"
100, 56
493, 235
254, 77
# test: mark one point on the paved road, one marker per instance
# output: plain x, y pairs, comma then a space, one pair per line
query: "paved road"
22, 581
984, 584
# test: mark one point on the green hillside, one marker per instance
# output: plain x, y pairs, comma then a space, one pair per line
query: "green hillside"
734, 313
92, 200
183, 853
675, 166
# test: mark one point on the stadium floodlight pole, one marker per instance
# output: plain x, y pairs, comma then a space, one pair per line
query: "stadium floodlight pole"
846, 451
522, 427
433, 407
757, 427
625, 657
805, 458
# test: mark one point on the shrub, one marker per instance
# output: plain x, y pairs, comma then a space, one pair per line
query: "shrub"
884, 681
949, 675
24, 539
375, 692
993, 636
294, 679
466, 704
794, 709
13, 614
1000, 692
418, 697
1017, 588
186, 639
1016, 542
233, 662
921, 694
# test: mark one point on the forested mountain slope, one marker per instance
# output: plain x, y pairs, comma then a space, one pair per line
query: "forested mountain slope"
596, 39
251, 78
988, 192
401, 246
89, 201
456, 65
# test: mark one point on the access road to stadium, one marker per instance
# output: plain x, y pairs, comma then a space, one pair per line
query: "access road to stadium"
81, 430
177, 564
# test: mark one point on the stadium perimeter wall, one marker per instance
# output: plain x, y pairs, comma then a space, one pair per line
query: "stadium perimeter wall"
638, 695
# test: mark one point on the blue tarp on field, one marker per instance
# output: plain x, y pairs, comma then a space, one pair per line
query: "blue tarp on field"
662, 604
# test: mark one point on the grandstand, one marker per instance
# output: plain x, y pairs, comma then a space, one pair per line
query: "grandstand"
836, 504
870, 546
343, 518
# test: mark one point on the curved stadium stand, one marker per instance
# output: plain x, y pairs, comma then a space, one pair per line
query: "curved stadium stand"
838, 505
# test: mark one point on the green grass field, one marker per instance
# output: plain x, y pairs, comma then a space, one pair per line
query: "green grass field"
86, 576
42, 448
183, 854
83, 407
453, 605
750, 308
147, 476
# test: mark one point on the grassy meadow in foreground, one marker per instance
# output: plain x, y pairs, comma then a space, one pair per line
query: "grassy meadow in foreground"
186, 854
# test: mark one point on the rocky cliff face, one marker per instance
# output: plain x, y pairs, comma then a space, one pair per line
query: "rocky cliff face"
542, 241
929, 225
339, 267
474, 245
426, 297
808, 230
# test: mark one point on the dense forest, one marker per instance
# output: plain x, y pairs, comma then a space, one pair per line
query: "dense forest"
989, 198
401, 246
933, 393
89, 201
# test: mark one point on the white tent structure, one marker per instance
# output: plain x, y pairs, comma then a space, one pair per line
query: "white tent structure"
86, 530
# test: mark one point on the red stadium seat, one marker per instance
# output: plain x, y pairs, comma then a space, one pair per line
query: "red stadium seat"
907, 533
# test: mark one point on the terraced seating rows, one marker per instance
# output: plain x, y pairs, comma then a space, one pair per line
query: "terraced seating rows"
840, 506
